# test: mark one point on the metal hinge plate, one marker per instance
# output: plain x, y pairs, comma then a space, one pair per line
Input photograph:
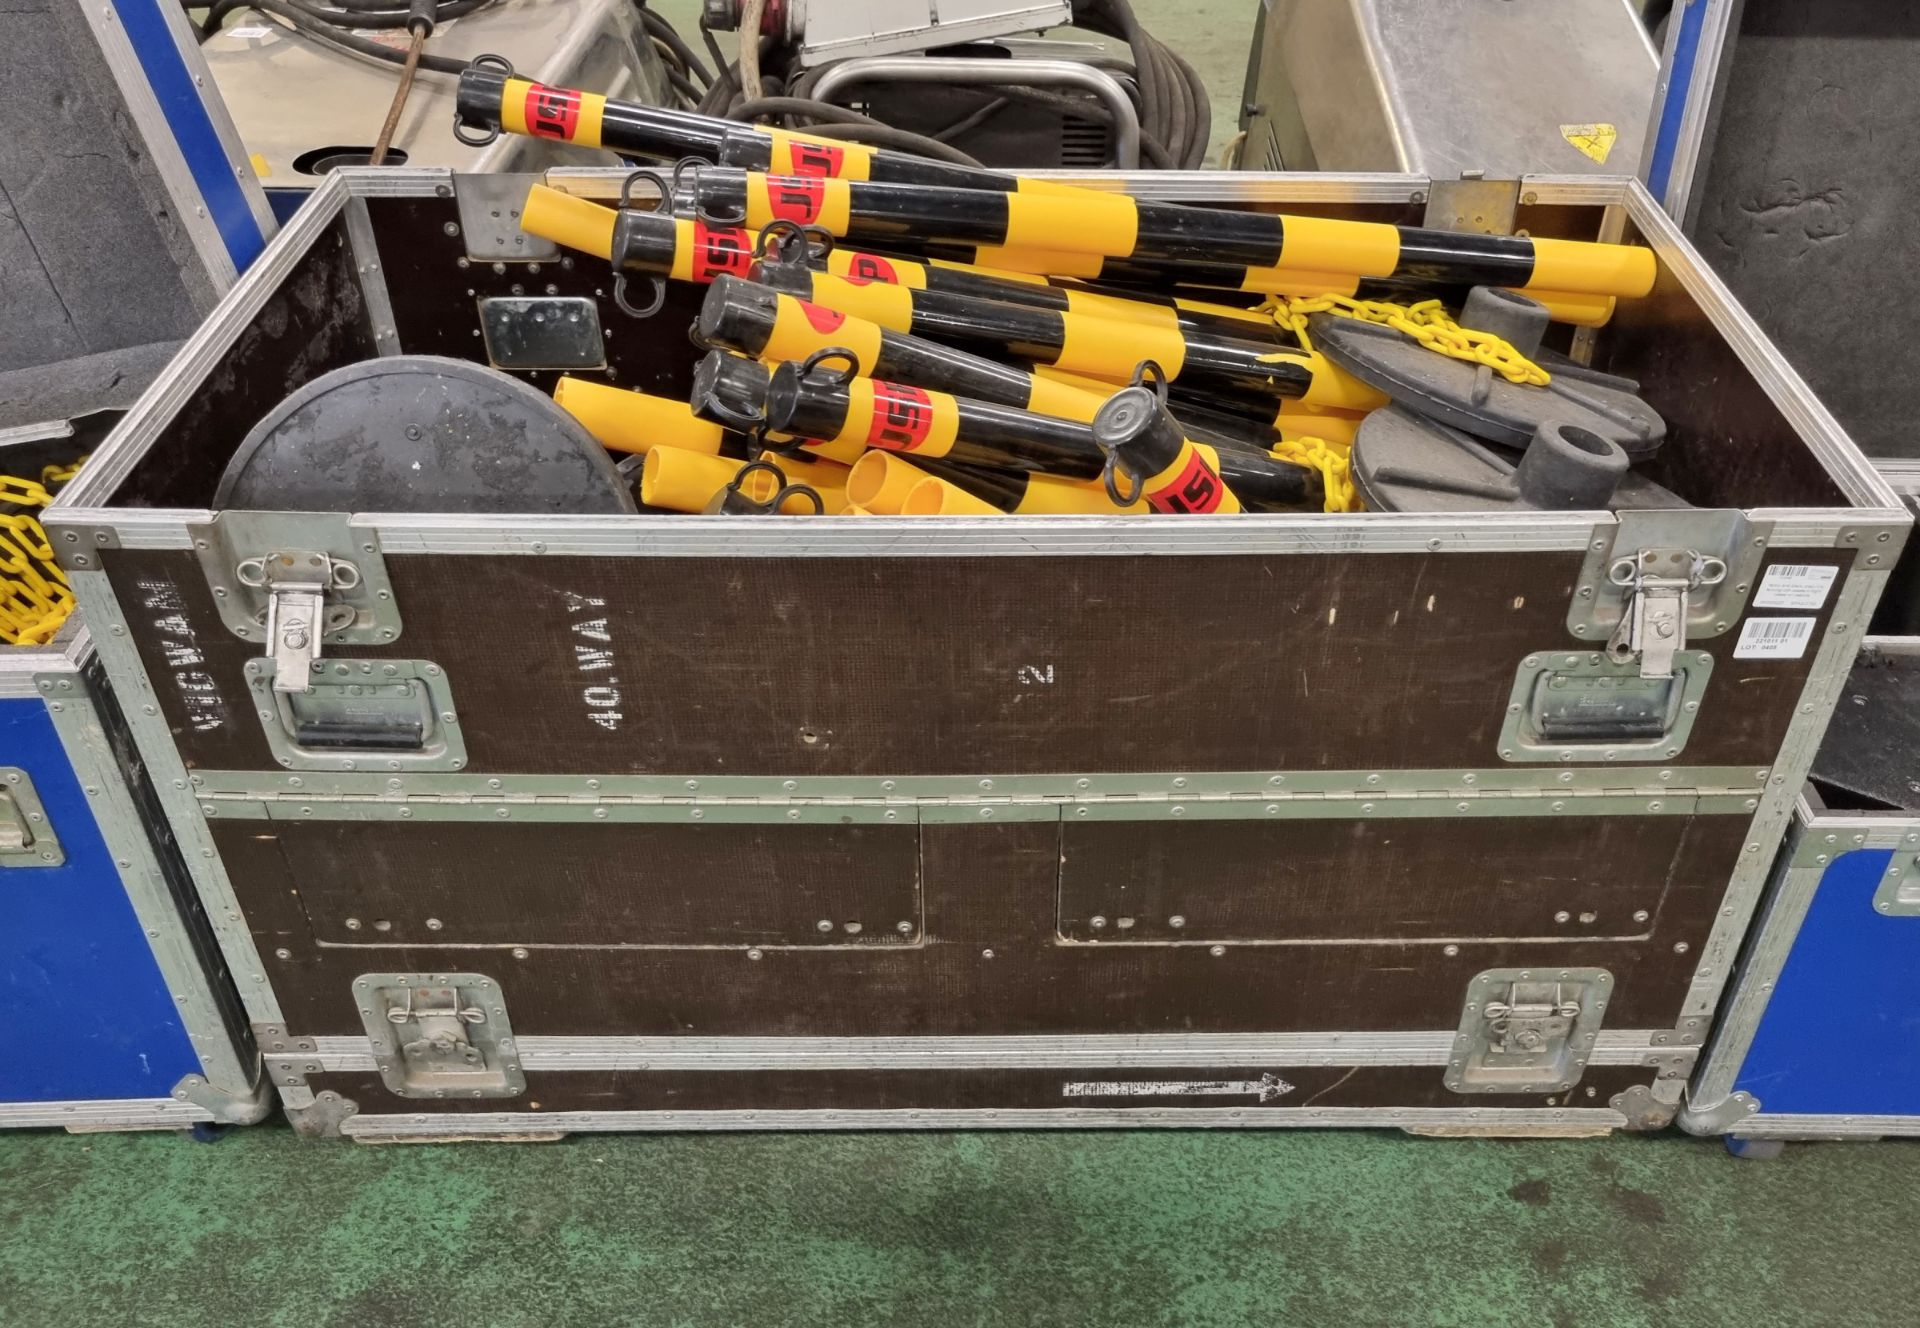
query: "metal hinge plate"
27, 837
440, 1035
296, 582
1528, 1030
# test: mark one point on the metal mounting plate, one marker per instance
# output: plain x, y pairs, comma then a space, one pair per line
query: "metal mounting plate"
1473, 204
1738, 540
482, 1060
1596, 685
367, 693
490, 219
232, 537
1553, 1063
542, 332
20, 803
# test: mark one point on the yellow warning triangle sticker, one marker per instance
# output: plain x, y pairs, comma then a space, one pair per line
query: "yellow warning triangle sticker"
1595, 140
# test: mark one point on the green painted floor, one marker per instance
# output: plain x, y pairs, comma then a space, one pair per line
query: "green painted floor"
1131, 1230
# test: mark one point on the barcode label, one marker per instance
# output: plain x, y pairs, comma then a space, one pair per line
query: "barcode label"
1774, 638
1795, 586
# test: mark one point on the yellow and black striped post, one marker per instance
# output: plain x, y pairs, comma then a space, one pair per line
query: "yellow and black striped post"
1092, 345
1254, 245
1141, 439
757, 321
492, 99
821, 399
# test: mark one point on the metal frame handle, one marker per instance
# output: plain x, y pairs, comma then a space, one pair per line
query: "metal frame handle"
1035, 73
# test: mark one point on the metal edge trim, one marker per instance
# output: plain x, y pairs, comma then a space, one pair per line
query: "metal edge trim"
972, 1052
154, 739
383, 1126
1853, 607
1006, 536
133, 1113
1791, 886
186, 44
130, 440
1698, 109
156, 132
1152, 788
907, 813
229, 1068
1787, 1125
365, 249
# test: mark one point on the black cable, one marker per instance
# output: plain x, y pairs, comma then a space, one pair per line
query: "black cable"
839, 122
971, 121
660, 29
900, 140
381, 16
683, 85
320, 30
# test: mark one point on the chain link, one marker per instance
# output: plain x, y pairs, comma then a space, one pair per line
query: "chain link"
1332, 460
35, 598
1426, 322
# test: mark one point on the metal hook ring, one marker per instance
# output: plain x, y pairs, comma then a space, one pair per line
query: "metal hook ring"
1150, 369
654, 306
831, 377
1108, 473
462, 133
662, 186
797, 491
690, 167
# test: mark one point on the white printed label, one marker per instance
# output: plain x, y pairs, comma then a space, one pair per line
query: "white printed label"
593, 659
1795, 586
1774, 638
250, 32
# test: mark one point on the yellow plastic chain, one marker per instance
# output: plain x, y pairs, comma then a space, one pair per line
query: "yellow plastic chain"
1426, 322
35, 598
24, 493
1331, 460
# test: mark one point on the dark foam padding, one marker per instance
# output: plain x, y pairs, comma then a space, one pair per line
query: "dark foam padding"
1810, 207
93, 260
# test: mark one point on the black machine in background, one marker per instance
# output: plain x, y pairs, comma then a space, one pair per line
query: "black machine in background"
974, 117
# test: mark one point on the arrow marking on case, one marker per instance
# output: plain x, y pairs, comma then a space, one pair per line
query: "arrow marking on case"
1266, 1088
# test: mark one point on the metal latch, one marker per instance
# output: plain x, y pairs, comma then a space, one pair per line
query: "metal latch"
26, 836
1527, 1030
1654, 580
299, 581
297, 584
440, 1034
1659, 584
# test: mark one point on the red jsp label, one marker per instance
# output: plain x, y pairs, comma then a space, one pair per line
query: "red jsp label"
1195, 489
551, 112
720, 251
794, 199
816, 159
823, 320
902, 417
865, 269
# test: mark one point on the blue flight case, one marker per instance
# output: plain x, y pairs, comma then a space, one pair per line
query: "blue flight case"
115, 1011
1821, 1035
